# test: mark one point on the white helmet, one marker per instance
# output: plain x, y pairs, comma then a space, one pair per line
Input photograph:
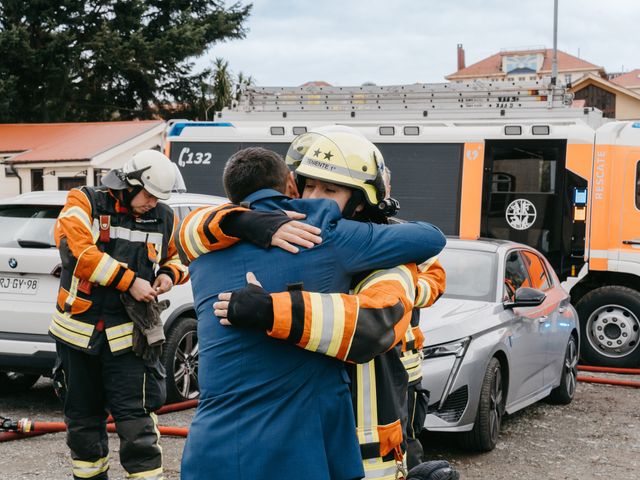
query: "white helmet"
148, 169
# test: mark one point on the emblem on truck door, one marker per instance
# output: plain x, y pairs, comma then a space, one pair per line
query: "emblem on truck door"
521, 214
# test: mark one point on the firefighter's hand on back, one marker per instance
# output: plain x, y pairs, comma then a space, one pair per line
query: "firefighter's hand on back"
296, 233
162, 283
142, 290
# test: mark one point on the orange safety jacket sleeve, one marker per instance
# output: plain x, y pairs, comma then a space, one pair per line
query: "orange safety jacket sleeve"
351, 328
74, 224
171, 265
200, 232
432, 281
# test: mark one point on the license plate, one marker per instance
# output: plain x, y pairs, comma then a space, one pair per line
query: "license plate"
22, 285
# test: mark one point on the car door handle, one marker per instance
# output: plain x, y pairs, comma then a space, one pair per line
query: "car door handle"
631, 242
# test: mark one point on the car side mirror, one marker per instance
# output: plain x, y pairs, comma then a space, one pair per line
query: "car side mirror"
526, 297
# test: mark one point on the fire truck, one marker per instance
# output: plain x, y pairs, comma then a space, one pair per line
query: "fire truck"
498, 160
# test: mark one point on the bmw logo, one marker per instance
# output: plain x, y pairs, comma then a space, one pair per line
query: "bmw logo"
13, 263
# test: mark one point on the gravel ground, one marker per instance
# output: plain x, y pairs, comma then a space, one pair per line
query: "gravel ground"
597, 436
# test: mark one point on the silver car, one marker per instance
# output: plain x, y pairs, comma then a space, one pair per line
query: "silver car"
502, 337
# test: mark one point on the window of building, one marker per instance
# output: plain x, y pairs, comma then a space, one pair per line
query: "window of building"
67, 183
37, 182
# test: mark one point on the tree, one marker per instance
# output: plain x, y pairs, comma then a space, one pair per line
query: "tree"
222, 84
72, 60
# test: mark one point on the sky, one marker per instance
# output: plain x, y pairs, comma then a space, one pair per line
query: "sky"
349, 42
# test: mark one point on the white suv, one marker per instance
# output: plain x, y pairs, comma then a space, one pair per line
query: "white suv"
29, 281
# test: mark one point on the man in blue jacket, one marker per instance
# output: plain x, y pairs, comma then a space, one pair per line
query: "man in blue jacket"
268, 409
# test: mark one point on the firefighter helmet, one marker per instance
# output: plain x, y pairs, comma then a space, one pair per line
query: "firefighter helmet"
343, 157
148, 169
301, 143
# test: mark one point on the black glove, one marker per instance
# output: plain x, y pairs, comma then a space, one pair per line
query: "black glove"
251, 306
255, 226
148, 333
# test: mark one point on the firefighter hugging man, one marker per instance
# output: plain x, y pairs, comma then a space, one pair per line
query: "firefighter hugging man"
118, 253
379, 385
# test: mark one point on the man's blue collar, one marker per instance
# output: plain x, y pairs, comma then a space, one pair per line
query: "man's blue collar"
262, 194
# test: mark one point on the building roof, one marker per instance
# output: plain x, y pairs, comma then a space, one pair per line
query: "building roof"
58, 142
492, 66
608, 85
629, 80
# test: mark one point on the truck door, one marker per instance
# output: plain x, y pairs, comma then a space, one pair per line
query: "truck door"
630, 211
523, 199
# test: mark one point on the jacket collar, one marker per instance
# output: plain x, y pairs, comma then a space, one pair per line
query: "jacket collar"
262, 195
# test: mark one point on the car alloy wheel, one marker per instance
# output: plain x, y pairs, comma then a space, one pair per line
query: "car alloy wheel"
180, 358
563, 393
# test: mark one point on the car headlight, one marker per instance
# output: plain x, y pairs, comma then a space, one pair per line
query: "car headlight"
457, 348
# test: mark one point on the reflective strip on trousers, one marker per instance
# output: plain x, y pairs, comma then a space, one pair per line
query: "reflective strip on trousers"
367, 409
83, 469
380, 469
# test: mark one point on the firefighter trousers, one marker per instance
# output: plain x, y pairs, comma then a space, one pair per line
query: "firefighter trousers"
128, 388
418, 401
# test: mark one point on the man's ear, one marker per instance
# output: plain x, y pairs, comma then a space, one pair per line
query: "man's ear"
291, 189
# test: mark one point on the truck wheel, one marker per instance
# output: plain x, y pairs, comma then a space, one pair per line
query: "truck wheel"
563, 393
180, 358
16, 382
610, 326
486, 428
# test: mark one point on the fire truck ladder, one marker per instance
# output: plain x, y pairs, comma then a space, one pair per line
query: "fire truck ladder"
445, 98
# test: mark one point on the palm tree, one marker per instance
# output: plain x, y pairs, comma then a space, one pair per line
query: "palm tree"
222, 84
241, 83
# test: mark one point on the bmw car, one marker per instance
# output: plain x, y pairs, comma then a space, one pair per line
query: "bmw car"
503, 336
29, 279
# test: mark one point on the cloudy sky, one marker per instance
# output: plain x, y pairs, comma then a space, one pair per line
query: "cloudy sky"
348, 42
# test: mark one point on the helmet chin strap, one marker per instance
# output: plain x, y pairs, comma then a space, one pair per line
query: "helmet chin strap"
128, 195
357, 199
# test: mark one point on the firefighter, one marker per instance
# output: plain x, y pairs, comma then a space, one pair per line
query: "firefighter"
295, 402
114, 239
379, 385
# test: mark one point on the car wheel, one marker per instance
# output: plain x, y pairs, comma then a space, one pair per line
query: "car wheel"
563, 393
16, 382
180, 358
610, 326
486, 428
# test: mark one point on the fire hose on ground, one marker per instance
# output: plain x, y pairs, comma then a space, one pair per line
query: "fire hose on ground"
609, 381
23, 428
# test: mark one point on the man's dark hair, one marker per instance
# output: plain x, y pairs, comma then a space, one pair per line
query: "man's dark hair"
252, 169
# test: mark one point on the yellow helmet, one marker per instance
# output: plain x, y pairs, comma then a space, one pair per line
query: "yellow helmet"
343, 157
301, 143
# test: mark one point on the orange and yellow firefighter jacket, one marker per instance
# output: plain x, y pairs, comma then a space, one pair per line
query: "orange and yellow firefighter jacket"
103, 249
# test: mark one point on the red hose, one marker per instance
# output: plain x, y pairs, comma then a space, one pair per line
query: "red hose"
630, 371
608, 381
34, 428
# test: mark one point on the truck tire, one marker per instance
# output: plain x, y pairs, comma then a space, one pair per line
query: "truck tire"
563, 393
610, 326
486, 428
16, 382
180, 358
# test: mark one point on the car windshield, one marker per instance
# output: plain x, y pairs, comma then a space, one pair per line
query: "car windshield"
28, 226
470, 274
